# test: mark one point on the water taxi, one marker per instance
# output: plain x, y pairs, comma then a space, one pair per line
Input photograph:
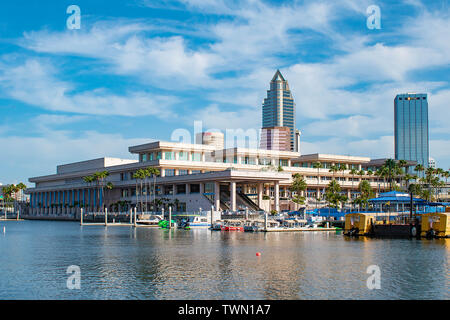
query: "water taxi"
233, 226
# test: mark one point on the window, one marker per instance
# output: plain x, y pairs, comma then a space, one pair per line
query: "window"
182, 172
144, 157
158, 155
195, 171
196, 156
170, 172
182, 156
195, 188
151, 156
283, 162
169, 155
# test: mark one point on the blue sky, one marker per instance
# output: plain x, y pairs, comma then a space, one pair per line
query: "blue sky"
137, 70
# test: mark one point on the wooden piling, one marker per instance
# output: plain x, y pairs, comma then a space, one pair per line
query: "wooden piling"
106, 217
81, 216
170, 217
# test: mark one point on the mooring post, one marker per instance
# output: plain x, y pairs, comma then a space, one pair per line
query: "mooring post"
212, 216
170, 217
106, 216
265, 220
18, 213
135, 216
81, 216
131, 217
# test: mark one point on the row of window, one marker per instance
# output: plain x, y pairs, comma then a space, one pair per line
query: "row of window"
170, 155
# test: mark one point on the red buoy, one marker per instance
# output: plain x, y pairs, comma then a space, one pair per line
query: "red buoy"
258, 254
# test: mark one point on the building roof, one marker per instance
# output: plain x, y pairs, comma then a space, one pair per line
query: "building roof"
330, 158
278, 76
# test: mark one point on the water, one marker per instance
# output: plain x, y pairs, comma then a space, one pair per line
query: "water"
147, 263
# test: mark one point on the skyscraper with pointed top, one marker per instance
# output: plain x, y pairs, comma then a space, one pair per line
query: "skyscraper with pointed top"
278, 108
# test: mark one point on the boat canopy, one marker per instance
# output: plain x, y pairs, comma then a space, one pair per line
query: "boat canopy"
396, 197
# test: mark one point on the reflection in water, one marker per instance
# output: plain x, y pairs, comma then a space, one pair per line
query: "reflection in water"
148, 263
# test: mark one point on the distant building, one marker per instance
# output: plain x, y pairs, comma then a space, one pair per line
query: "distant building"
278, 108
215, 139
431, 163
276, 138
411, 128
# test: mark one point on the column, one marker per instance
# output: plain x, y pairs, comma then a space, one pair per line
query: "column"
260, 194
203, 157
217, 195
188, 188
233, 195
318, 193
174, 189
277, 196
189, 156
202, 188
162, 172
239, 159
349, 194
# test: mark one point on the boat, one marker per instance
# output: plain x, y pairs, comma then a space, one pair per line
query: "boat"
198, 222
152, 221
254, 226
217, 226
233, 226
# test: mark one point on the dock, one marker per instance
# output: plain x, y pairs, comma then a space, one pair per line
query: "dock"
299, 229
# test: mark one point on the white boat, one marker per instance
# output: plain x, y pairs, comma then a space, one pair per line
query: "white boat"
151, 221
198, 222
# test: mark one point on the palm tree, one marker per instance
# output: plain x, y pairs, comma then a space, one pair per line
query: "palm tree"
88, 180
140, 175
333, 169
298, 185
153, 172
391, 166
318, 165
99, 178
353, 172
419, 168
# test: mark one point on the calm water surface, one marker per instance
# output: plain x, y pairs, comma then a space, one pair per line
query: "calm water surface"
144, 263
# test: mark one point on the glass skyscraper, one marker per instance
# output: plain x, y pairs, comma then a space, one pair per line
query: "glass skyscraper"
411, 128
278, 108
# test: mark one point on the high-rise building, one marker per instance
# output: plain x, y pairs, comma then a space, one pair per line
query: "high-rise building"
278, 108
215, 139
411, 127
276, 138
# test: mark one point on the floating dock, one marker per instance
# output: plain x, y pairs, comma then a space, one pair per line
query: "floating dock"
299, 229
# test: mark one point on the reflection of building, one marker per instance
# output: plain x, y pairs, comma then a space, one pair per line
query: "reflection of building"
276, 138
279, 108
197, 176
411, 128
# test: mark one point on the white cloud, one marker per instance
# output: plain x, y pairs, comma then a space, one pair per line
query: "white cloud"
39, 155
34, 82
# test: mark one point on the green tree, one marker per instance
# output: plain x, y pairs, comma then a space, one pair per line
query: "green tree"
333, 169
391, 167
365, 193
317, 165
298, 185
333, 195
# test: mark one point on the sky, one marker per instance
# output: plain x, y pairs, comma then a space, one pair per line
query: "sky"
137, 70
